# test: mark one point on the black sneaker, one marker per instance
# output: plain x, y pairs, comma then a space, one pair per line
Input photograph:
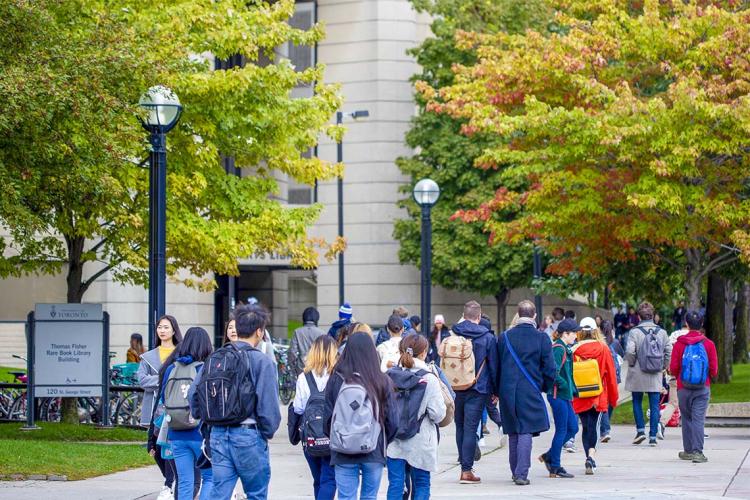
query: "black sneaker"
684, 455
560, 472
652, 441
521, 481
699, 458
639, 438
545, 460
590, 466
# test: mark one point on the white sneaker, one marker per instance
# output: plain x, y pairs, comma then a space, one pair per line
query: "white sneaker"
481, 443
165, 494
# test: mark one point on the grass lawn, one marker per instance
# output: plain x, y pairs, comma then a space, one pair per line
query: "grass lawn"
70, 433
5, 377
75, 460
291, 326
57, 449
738, 390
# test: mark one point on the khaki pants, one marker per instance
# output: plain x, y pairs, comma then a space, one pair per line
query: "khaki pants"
672, 403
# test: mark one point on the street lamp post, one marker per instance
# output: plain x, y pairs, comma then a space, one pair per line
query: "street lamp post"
537, 276
340, 115
426, 194
163, 111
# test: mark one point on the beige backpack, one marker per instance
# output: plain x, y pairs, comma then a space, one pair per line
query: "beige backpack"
457, 361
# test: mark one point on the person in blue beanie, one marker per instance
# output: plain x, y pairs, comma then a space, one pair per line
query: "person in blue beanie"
345, 318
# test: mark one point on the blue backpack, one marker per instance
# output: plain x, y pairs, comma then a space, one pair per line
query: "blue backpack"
694, 369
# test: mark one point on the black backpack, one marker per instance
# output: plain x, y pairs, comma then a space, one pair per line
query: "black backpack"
226, 392
410, 389
314, 438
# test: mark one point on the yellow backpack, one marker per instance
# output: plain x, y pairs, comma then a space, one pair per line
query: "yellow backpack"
586, 377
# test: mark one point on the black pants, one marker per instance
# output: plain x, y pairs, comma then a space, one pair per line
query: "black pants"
590, 428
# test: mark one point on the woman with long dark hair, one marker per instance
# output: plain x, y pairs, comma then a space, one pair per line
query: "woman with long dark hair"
359, 365
168, 336
230, 331
186, 441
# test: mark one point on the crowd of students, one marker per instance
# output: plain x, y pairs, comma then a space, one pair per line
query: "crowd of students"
368, 401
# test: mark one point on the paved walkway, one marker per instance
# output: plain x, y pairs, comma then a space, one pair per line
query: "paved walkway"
625, 472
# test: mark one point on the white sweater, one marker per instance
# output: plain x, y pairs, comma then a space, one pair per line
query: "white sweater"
388, 351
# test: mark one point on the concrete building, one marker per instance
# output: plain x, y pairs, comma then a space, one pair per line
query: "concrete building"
366, 51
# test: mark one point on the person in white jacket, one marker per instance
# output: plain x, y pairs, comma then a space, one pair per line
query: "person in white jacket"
388, 350
417, 455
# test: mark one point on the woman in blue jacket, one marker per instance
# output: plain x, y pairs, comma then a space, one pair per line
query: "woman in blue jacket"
186, 444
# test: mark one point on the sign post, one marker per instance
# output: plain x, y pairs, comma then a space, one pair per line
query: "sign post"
68, 354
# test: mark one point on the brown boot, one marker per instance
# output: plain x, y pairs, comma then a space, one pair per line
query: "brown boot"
468, 477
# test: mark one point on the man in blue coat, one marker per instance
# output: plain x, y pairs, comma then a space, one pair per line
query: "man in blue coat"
526, 370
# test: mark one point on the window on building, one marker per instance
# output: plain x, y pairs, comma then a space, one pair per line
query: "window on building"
300, 194
302, 56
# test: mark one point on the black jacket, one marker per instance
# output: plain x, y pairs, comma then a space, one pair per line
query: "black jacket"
390, 426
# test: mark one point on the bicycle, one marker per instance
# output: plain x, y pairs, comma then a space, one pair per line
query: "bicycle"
287, 381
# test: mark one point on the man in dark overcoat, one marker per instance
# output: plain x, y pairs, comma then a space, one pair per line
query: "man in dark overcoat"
521, 380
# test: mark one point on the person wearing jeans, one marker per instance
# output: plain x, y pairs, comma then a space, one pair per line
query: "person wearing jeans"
240, 451
470, 403
640, 382
526, 368
560, 397
348, 480
186, 453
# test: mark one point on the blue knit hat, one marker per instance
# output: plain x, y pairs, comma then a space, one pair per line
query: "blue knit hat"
345, 311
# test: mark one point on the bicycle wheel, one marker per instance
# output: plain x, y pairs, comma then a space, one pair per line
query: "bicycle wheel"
18, 409
6, 403
286, 387
51, 410
128, 411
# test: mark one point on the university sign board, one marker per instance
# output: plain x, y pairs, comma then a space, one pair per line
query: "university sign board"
68, 351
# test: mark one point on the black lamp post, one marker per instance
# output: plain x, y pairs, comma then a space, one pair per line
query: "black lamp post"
163, 111
362, 113
426, 194
537, 276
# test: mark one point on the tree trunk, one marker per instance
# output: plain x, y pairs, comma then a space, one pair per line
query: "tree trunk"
715, 329
730, 300
501, 299
607, 304
693, 289
742, 328
69, 407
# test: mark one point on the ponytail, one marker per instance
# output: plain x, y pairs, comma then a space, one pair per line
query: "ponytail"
410, 347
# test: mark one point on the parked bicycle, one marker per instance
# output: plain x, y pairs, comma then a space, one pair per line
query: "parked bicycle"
287, 382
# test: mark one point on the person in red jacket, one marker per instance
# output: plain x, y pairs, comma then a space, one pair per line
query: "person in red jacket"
693, 395
591, 345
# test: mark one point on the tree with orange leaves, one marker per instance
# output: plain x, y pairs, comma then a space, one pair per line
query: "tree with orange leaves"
631, 125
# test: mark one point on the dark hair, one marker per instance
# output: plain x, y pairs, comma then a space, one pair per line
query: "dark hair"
417, 343
608, 331
526, 309
139, 342
360, 360
486, 322
249, 319
177, 337
570, 314
196, 344
310, 315
558, 314
694, 320
226, 329
645, 311
395, 324
472, 310
415, 321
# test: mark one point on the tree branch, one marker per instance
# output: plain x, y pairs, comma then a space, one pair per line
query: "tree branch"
664, 258
101, 243
86, 284
719, 262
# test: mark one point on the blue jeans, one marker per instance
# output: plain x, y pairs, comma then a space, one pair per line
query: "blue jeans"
566, 427
347, 480
239, 452
186, 453
605, 427
469, 408
640, 421
397, 478
324, 477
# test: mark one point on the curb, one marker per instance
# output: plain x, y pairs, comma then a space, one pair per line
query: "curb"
32, 477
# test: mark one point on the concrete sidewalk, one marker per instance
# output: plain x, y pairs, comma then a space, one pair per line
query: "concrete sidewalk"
625, 471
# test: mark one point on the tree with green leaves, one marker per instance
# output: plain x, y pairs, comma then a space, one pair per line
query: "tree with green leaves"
75, 188
71, 145
462, 258
629, 125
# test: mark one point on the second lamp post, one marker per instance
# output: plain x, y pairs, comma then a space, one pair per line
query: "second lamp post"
426, 194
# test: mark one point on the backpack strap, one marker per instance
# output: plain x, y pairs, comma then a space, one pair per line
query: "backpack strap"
519, 364
311, 384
